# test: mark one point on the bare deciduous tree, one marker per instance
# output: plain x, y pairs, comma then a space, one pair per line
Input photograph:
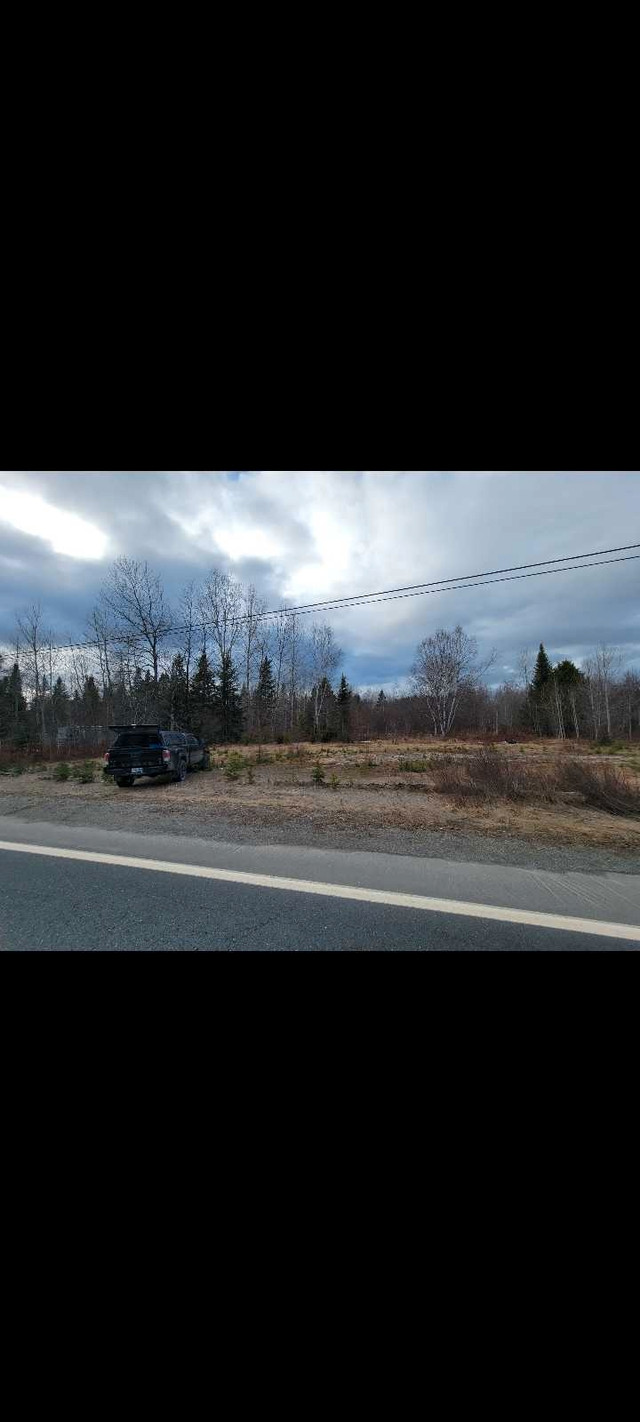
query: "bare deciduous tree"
446, 666
32, 658
294, 665
134, 595
607, 662
221, 610
189, 629
253, 608
324, 658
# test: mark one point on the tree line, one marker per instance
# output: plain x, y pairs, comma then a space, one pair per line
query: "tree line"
214, 664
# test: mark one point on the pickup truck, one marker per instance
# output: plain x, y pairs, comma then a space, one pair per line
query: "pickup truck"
141, 751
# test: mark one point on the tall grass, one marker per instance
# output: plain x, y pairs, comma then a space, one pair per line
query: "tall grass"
487, 776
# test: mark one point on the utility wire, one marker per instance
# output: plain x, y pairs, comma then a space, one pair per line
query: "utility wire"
469, 581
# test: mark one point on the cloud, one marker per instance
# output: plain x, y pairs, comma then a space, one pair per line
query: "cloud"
64, 531
311, 535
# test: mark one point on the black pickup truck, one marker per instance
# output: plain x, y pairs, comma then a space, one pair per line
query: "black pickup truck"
140, 751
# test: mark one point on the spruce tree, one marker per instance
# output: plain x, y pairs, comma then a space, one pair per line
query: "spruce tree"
177, 689
265, 695
60, 704
227, 703
543, 672
540, 696
344, 708
202, 699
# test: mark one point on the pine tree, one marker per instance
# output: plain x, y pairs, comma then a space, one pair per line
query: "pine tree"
227, 703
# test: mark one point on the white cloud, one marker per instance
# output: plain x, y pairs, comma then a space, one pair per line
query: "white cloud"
66, 532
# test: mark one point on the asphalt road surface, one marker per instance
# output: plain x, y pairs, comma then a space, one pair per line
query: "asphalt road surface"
71, 888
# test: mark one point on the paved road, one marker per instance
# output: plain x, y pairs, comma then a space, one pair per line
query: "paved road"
72, 903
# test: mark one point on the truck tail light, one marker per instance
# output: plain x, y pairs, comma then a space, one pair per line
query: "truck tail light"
106, 758
166, 755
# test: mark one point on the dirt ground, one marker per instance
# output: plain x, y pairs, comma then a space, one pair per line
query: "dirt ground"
372, 789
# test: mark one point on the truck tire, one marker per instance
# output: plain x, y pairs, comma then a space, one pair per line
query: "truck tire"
181, 772
124, 782
206, 761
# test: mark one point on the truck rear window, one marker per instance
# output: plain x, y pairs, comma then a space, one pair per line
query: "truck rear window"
141, 740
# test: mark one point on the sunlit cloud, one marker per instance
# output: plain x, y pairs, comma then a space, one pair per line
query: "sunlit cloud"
333, 563
238, 543
66, 532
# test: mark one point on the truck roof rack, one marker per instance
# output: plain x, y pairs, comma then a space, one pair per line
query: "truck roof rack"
138, 726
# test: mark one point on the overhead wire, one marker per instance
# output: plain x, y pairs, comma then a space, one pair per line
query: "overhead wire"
465, 583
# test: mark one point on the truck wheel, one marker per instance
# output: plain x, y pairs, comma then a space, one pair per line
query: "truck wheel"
125, 782
206, 761
181, 772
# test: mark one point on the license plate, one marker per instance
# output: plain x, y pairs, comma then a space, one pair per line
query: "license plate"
137, 770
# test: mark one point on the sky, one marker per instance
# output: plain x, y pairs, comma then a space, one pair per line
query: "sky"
311, 535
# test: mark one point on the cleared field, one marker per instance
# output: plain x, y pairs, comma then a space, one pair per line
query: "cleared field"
541, 790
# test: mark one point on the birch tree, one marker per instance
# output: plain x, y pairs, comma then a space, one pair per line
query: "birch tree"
607, 661
446, 666
324, 657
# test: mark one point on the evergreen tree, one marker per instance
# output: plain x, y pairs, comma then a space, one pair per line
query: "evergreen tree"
327, 711
543, 672
60, 705
265, 695
17, 707
540, 694
174, 694
203, 689
227, 703
344, 708
91, 702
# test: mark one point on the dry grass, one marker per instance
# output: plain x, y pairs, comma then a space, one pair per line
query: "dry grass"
522, 791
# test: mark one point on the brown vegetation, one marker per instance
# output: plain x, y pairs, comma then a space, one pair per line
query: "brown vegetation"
530, 791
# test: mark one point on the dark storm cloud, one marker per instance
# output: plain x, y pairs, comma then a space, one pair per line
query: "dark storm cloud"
322, 534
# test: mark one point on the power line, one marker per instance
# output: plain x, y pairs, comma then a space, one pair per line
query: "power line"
465, 577
466, 583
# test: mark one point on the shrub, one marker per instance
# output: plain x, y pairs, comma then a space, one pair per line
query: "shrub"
317, 774
607, 788
86, 773
487, 776
62, 771
334, 782
234, 766
412, 767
